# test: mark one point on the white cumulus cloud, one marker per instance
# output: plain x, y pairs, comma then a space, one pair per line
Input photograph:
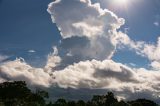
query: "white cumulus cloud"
80, 19
105, 75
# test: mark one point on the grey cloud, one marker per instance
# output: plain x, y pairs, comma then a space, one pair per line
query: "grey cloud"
95, 74
124, 76
74, 42
76, 49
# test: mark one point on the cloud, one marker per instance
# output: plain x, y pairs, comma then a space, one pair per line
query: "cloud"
90, 75
20, 70
82, 18
86, 26
76, 49
156, 23
3, 58
157, 20
149, 50
106, 75
93, 74
155, 65
53, 61
31, 51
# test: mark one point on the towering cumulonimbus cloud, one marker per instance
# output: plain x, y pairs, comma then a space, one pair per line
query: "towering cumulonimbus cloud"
82, 60
82, 20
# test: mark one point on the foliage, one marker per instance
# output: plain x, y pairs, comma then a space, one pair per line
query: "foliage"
142, 102
17, 94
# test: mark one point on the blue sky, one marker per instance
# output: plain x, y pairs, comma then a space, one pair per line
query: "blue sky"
70, 44
26, 25
140, 16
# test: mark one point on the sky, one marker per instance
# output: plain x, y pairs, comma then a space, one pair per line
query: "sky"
82, 45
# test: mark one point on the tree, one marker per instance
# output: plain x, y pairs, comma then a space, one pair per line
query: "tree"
99, 100
110, 99
81, 103
17, 94
89, 103
142, 102
121, 103
61, 102
49, 104
71, 103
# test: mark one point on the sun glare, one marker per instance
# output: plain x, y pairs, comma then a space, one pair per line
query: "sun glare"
121, 1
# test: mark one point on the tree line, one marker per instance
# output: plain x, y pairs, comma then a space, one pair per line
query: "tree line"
18, 94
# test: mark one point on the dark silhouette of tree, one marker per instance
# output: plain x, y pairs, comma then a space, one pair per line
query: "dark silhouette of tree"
136, 104
89, 103
71, 103
49, 104
81, 103
98, 100
142, 102
17, 94
60, 102
42, 93
106, 100
110, 99
121, 103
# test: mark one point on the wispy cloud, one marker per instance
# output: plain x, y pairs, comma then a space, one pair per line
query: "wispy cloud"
157, 20
149, 50
156, 23
31, 51
3, 57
